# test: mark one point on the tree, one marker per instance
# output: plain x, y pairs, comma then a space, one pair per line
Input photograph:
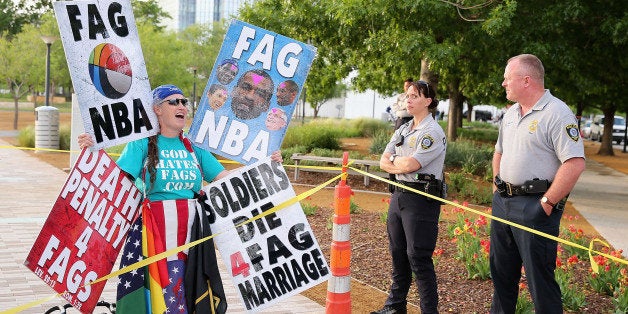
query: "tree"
14, 15
21, 73
311, 23
149, 12
582, 44
170, 56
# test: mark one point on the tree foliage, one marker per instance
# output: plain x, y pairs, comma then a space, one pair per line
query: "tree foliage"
465, 45
460, 46
309, 22
149, 12
15, 14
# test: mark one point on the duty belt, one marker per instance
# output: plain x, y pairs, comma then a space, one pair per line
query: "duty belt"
530, 187
415, 185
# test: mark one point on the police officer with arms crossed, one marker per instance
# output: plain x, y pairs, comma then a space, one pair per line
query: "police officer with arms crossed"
538, 159
416, 155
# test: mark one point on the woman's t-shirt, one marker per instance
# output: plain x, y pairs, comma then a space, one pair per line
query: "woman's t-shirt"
177, 175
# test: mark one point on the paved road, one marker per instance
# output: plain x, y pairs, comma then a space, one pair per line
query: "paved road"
28, 189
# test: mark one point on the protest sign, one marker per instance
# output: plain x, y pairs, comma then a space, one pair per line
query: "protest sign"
251, 93
107, 69
272, 257
85, 229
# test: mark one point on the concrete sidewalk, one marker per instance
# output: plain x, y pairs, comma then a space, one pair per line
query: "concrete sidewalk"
28, 189
601, 197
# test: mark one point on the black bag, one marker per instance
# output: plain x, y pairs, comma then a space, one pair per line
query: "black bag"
391, 188
203, 285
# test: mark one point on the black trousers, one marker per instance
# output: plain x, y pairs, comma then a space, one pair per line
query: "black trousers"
412, 231
512, 247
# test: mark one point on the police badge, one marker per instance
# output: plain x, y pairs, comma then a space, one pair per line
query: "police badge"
426, 141
572, 131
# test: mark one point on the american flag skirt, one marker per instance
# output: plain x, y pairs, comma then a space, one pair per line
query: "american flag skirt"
171, 226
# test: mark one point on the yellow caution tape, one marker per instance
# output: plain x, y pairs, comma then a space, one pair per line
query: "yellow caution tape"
543, 234
176, 250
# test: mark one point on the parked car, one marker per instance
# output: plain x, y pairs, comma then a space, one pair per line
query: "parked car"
619, 127
585, 129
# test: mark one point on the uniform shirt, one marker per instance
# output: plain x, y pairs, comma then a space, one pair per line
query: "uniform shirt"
426, 144
535, 145
177, 173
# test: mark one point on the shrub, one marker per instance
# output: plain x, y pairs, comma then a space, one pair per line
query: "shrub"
311, 137
65, 137
380, 139
26, 138
309, 209
475, 157
370, 127
484, 134
457, 181
353, 207
341, 127
287, 152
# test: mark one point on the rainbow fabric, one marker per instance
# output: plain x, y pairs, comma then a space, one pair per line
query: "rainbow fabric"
157, 280
163, 225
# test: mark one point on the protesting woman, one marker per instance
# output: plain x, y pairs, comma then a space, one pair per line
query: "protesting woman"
172, 171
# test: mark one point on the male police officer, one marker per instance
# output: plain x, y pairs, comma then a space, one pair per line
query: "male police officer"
538, 159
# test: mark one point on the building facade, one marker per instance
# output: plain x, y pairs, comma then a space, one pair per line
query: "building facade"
188, 12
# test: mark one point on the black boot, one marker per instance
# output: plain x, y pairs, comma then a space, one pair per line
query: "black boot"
387, 309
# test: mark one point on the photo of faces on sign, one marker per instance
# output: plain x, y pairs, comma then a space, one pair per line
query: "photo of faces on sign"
252, 94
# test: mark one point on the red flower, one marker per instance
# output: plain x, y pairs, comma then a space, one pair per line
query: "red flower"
572, 260
486, 245
481, 221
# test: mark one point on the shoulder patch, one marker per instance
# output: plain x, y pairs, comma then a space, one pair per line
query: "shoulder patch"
572, 131
427, 141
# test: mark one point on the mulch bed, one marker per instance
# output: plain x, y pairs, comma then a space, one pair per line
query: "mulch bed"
370, 261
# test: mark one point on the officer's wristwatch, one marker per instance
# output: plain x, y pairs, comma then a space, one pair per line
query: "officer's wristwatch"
546, 200
392, 157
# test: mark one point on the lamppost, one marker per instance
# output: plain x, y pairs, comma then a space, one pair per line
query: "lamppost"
48, 40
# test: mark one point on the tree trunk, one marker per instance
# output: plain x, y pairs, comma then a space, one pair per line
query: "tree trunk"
34, 94
579, 110
431, 78
455, 109
16, 112
606, 148
469, 112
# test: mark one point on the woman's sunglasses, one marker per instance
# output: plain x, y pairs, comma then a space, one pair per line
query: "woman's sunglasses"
176, 101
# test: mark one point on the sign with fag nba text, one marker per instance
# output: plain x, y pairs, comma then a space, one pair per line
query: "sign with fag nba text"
108, 71
85, 229
251, 93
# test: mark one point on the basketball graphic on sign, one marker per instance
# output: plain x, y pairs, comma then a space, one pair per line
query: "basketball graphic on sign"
110, 71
